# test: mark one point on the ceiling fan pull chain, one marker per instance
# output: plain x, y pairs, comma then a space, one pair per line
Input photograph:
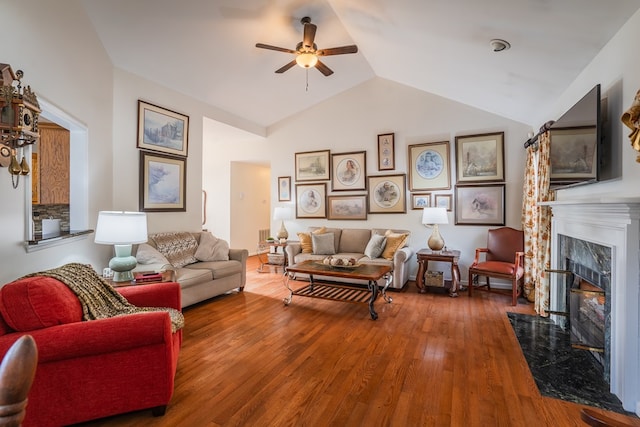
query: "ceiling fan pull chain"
306, 89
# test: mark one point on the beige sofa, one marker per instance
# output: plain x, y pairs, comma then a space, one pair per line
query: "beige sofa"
204, 265
352, 243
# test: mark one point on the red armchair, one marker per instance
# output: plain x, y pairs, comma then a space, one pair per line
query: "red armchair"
92, 369
504, 259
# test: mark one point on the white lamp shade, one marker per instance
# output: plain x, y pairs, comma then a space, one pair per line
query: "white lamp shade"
435, 216
121, 228
282, 213
306, 60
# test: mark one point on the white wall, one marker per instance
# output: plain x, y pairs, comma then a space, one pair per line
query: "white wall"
352, 120
70, 70
616, 69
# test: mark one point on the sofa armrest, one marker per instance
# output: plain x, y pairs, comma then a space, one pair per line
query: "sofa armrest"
292, 249
153, 295
97, 337
240, 255
402, 255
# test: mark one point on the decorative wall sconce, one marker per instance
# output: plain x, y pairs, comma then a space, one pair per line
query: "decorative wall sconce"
19, 112
631, 119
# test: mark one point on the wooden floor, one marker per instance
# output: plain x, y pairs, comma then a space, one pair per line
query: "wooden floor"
429, 360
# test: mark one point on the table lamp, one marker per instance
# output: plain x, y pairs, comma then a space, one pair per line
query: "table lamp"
435, 216
121, 229
282, 213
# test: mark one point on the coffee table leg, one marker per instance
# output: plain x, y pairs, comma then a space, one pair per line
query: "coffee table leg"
287, 300
389, 278
373, 287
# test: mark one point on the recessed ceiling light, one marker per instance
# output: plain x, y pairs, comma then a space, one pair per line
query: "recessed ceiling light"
498, 45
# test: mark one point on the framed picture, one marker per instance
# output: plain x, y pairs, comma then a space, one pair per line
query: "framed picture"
162, 130
347, 207
349, 171
284, 188
480, 158
163, 183
420, 200
387, 194
443, 201
480, 205
386, 152
311, 200
573, 154
313, 166
429, 166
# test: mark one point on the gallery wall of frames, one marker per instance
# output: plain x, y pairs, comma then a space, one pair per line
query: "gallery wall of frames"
337, 186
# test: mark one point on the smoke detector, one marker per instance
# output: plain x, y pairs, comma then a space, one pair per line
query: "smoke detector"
498, 45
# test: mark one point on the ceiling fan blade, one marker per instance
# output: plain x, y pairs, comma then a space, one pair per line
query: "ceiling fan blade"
323, 68
286, 67
309, 35
279, 49
338, 50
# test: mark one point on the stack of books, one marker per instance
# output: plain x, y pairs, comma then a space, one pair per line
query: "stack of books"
147, 276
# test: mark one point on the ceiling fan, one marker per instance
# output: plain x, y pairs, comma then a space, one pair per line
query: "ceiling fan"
307, 52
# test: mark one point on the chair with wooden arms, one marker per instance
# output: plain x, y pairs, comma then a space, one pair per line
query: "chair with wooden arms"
503, 259
17, 371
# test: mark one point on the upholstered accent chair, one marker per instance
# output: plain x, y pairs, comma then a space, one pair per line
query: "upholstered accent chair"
503, 259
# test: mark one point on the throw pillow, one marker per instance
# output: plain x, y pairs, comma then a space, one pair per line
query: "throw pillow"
147, 254
323, 244
38, 302
211, 248
395, 241
305, 240
375, 246
178, 247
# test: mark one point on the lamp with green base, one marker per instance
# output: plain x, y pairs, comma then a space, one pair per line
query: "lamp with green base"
121, 229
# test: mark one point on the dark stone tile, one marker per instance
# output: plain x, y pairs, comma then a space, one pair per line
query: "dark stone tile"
559, 370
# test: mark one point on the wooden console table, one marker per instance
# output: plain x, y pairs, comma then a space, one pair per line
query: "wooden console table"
450, 256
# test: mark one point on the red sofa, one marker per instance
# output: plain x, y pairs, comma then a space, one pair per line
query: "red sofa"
97, 368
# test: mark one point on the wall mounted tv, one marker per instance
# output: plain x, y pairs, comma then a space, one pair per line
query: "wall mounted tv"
577, 143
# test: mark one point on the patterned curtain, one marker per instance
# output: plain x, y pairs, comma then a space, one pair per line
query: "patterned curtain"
544, 223
536, 223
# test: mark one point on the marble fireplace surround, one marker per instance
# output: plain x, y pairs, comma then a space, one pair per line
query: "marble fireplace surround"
612, 222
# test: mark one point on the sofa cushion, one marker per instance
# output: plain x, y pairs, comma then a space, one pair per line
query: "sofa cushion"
395, 241
147, 254
4, 328
354, 240
218, 269
375, 247
211, 248
305, 240
178, 247
38, 302
323, 244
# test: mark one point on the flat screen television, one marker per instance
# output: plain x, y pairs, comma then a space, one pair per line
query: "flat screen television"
578, 143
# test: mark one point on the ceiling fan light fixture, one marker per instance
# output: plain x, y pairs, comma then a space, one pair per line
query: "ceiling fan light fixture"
306, 59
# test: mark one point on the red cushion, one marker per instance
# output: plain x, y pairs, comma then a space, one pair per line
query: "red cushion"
38, 302
4, 328
498, 267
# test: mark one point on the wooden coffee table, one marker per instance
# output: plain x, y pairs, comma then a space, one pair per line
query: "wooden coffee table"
338, 292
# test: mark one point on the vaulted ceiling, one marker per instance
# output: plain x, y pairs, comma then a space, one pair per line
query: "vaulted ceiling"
206, 49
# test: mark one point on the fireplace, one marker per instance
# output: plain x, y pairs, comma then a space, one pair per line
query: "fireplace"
601, 237
587, 316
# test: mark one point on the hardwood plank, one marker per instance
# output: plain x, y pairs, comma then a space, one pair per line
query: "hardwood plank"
429, 360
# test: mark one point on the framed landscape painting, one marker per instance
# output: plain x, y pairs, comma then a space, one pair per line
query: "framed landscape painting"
313, 166
387, 194
347, 207
429, 166
349, 171
573, 154
420, 200
163, 183
480, 158
162, 130
311, 200
443, 201
480, 205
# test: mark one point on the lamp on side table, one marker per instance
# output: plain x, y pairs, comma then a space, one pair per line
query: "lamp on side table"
121, 229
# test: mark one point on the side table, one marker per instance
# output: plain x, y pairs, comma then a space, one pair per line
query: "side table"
167, 276
268, 255
450, 256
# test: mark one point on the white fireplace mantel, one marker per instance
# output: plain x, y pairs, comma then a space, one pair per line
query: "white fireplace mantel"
612, 222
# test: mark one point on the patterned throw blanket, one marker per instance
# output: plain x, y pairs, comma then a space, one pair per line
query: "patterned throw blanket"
100, 300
